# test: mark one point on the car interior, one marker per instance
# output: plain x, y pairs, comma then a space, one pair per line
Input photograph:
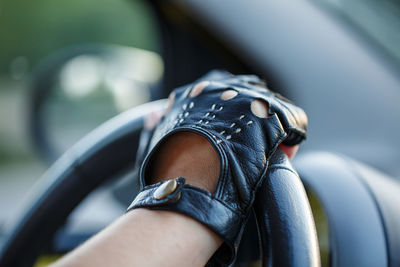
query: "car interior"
330, 57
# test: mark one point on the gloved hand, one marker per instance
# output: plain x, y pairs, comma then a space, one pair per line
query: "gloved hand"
245, 123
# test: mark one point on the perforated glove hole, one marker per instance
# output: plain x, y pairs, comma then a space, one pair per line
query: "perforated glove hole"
198, 88
259, 108
229, 94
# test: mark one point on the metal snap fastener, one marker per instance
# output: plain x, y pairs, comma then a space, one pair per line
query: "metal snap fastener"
165, 189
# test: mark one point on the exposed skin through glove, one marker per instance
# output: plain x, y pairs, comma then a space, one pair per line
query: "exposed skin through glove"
193, 150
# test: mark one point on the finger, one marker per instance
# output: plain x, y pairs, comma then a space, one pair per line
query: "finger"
290, 151
151, 120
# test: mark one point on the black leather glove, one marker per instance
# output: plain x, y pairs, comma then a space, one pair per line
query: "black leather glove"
226, 111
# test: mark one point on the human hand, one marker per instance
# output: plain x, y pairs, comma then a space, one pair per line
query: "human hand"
233, 126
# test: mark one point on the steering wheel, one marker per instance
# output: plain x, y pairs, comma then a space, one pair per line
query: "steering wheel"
286, 227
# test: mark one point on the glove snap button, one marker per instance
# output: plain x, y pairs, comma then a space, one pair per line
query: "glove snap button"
165, 189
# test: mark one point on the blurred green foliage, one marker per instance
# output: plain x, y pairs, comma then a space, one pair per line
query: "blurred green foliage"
33, 29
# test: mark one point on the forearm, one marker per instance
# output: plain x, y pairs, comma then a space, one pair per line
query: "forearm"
147, 238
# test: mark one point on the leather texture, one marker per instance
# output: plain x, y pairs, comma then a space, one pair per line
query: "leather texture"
243, 141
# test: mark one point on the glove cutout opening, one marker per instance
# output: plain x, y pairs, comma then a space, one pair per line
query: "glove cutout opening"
185, 154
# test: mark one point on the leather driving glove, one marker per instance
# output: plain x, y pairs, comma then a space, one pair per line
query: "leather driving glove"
244, 122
